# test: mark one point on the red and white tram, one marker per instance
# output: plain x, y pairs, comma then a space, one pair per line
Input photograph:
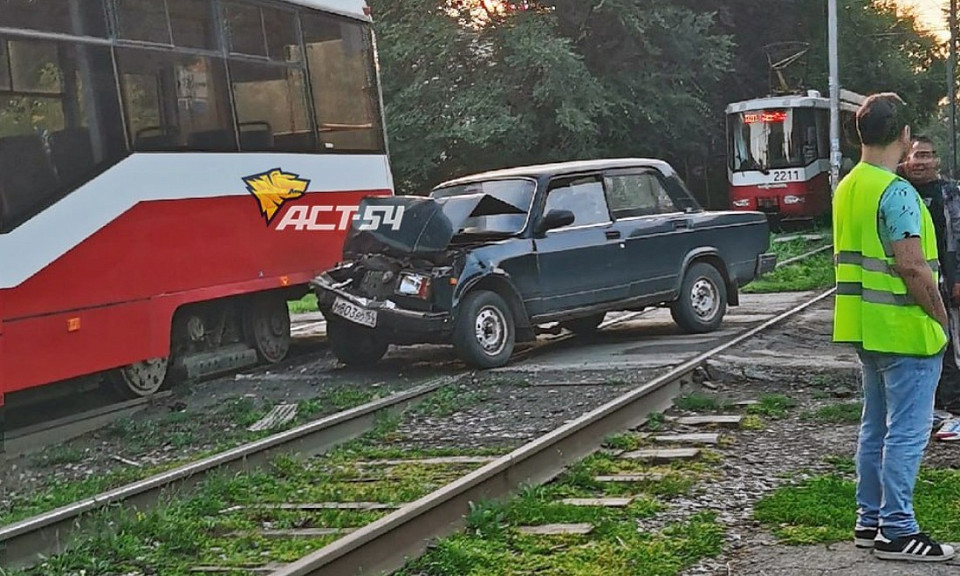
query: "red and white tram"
778, 153
172, 172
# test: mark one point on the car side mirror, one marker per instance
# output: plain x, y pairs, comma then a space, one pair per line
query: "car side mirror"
555, 219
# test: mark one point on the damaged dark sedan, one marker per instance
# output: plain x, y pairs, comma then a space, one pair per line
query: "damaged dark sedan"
487, 259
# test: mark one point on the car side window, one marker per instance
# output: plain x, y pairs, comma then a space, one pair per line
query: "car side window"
584, 197
643, 194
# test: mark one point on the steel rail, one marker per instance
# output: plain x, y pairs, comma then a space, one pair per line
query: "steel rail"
805, 255
25, 542
29, 439
386, 544
22, 543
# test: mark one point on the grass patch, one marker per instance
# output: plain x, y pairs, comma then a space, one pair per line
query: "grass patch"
58, 455
752, 422
813, 273
197, 530
702, 403
178, 430
306, 304
774, 406
490, 545
847, 413
624, 441
449, 400
823, 509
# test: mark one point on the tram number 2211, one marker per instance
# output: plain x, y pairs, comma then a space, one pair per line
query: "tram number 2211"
786, 176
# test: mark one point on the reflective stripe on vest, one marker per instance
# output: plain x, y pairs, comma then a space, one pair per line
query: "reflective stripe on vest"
872, 306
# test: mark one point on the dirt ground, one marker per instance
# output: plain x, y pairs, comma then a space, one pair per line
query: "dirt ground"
799, 360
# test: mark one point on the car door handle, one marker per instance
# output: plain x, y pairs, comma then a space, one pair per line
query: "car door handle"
681, 223
613, 234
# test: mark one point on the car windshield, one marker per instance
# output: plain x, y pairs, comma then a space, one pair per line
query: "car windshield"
503, 210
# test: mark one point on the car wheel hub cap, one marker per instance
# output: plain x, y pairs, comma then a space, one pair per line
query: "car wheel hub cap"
491, 330
705, 299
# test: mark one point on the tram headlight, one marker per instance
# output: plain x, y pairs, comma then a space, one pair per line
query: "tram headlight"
742, 203
791, 199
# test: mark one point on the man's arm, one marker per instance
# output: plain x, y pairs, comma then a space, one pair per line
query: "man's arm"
952, 203
917, 275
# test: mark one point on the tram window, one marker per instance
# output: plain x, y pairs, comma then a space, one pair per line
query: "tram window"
244, 29
271, 108
283, 41
193, 24
143, 21
33, 67
59, 123
184, 23
175, 101
76, 17
4, 67
340, 64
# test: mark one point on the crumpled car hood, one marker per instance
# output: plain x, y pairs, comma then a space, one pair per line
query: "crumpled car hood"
426, 227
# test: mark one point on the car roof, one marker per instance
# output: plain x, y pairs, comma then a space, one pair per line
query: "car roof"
561, 168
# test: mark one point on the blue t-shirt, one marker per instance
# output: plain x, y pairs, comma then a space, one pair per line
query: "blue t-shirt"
899, 213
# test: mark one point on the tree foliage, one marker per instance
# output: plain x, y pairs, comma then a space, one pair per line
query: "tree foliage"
472, 85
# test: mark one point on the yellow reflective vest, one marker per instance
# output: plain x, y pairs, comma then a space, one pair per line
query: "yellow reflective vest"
872, 307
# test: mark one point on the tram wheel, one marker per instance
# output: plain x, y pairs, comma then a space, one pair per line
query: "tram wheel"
140, 379
267, 326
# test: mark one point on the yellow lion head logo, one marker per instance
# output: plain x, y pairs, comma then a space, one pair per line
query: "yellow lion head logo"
273, 188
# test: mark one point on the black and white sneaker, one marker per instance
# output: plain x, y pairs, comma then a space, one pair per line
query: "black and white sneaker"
915, 548
864, 537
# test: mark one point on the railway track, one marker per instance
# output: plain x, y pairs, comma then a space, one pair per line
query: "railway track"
386, 544
383, 544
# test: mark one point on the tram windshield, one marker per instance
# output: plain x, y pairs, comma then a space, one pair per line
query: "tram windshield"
777, 138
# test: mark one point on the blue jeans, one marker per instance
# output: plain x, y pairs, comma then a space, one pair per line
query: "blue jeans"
898, 395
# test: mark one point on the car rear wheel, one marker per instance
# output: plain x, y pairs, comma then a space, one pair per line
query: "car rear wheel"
703, 300
485, 334
587, 325
354, 345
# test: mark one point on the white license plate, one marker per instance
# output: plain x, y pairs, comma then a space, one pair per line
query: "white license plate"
355, 313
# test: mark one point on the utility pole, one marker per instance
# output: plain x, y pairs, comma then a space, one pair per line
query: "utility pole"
951, 88
835, 157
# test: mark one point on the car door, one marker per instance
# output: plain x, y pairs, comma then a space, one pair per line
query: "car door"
656, 232
579, 264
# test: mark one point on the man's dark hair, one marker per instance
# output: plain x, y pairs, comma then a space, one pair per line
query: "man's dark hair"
924, 140
880, 120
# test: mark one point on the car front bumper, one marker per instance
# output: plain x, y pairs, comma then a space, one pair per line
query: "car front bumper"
766, 263
390, 320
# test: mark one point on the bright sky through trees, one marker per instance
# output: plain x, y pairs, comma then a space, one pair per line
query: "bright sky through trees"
932, 14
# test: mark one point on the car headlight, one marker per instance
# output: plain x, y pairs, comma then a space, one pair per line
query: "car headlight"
416, 285
791, 199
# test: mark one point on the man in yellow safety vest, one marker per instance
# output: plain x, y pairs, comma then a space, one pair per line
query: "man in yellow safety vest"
888, 306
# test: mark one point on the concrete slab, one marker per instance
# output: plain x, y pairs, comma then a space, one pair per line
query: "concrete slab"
552, 529
430, 461
650, 477
729, 420
602, 502
662, 455
689, 438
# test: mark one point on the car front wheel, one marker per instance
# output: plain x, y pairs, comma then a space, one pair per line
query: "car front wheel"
484, 335
354, 345
703, 300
